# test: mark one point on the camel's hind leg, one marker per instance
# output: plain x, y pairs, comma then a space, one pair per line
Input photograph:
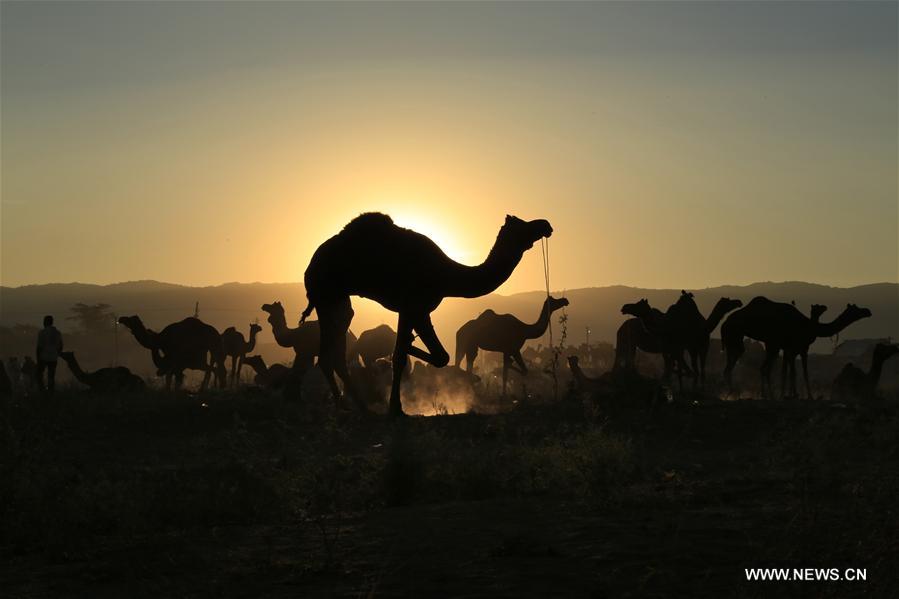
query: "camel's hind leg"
334, 321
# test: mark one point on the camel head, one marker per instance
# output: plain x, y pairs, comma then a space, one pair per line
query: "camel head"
275, 311
255, 328
817, 311
883, 351
853, 313
556, 304
132, 323
638, 309
521, 234
685, 293
730, 304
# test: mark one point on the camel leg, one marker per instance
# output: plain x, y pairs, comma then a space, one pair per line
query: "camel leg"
522, 367
703, 354
694, 360
506, 361
734, 352
436, 354
400, 357
469, 359
770, 356
783, 378
808, 386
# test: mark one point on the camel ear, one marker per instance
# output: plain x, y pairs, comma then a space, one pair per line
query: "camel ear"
508, 218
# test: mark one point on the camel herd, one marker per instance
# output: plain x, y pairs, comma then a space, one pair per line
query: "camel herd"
407, 273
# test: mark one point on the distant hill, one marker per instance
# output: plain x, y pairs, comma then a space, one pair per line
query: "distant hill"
238, 304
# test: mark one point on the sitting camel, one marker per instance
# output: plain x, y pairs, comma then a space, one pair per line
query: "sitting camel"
304, 339
275, 376
235, 346
854, 384
374, 344
665, 327
407, 273
779, 326
187, 344
502, 333
104, 380
583, 383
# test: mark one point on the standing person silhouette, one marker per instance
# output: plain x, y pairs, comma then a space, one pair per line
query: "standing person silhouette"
49, 346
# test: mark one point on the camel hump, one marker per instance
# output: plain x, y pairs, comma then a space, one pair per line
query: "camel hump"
229, 330
368, 221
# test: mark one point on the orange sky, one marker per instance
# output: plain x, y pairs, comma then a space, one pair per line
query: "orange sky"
670, 146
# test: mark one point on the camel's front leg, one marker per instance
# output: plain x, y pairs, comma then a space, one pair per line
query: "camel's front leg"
400, 357
522, 368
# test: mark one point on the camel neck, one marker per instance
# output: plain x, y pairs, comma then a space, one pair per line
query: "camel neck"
475, 281
829, 329
143, 336
252, 342
75, 367
714, 318
538, 328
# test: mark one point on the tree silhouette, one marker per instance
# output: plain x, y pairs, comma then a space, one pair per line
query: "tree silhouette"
93, 318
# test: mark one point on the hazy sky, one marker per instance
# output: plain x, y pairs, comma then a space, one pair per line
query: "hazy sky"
670, 144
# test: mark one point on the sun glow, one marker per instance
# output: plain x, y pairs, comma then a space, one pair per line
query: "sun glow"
438, 234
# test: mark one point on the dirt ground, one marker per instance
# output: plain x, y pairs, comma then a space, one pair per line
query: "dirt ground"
246, 495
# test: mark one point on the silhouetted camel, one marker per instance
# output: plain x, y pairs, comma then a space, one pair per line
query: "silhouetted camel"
779, 326
104, 380
275, 376
407, 273
235, 346
788, 364
502, 333
854, 384
305, 340
668, 331
633, 335
375, 343
187, 344
582, 382
696, 330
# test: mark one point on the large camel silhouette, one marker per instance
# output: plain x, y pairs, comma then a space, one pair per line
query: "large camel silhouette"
696, 330
236, 347
407, 273
779, 326
104, 380
668, 329
187, 344
305, 340
374, 344
275, 376
502, 333
854, 384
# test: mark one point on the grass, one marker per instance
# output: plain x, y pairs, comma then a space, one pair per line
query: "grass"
247, 491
